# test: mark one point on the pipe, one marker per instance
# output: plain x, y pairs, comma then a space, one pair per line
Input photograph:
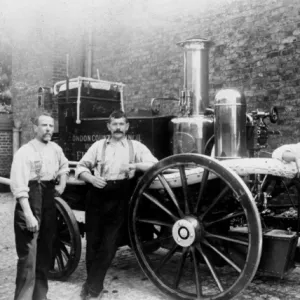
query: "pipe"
78, 101
4, 180
16, 136
16, 139
156, 110
90, 52
122, 98
67, 79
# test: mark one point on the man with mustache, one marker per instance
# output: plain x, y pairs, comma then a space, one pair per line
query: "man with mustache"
36, 167
114, 162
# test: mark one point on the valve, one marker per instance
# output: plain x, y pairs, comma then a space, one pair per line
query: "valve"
273, 115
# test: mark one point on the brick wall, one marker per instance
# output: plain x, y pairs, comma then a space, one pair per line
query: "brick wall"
5, 152
5, 100
255, 48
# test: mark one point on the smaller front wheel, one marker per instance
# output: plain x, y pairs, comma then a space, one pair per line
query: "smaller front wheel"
67, 243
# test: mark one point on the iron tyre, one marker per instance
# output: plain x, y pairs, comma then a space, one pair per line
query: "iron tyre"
67, 243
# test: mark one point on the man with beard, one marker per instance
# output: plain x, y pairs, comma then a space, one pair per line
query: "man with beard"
36, 167
114, 161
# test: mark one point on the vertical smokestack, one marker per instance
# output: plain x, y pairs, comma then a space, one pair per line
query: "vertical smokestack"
196, 74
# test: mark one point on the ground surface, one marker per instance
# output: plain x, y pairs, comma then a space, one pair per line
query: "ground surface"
125, 280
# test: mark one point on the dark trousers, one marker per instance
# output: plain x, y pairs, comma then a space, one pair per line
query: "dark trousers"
106, 215
34, 250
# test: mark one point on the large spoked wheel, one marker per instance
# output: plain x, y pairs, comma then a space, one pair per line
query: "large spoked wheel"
209, 229
67, 243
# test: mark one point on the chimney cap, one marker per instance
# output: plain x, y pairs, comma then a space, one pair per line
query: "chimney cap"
197, 39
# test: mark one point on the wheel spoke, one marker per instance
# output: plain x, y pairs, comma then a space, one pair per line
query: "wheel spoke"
211, 268
226, 238
202, 188
159, 239
225, 218
154, 222
229, 261
60, 220
171, 194
65, 250
197, 279
65, 241
60, 260
157, 203
215, 201
166, 258
156, 231
154, 244
180, 267
64, 235
184, 188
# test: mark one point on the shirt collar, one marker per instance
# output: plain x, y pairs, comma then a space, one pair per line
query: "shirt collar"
39, 143
123, 142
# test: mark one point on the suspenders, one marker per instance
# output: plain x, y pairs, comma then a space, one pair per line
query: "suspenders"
131, 154
38, 163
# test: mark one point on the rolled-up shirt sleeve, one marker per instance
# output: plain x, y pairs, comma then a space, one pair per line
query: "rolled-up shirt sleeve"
88, 161
277, 153
20, 174
143, 154
63, 163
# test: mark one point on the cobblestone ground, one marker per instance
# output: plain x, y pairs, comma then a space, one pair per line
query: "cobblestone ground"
125, 280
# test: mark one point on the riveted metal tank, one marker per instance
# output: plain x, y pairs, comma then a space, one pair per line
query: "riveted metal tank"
230, 124
191, 134
192, 131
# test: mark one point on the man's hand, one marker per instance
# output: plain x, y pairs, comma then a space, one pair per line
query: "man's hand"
60, 188
99, 183
31, 222
126, 168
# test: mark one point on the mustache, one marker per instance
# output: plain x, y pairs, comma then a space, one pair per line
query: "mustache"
118, 131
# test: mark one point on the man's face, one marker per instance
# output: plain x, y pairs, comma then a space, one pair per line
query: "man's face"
118, 128
44, 129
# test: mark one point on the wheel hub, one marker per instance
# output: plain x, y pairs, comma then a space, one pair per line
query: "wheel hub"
186, 231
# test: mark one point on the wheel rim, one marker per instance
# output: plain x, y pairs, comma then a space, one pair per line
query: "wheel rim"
67, 243
184, 267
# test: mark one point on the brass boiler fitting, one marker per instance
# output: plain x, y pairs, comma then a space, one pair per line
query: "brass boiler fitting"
194, 97
185, 102
230, 124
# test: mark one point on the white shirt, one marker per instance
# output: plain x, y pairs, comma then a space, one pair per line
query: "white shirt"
290, 148
116, 154
36, 160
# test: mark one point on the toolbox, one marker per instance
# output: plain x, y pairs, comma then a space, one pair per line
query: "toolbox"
278, 251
